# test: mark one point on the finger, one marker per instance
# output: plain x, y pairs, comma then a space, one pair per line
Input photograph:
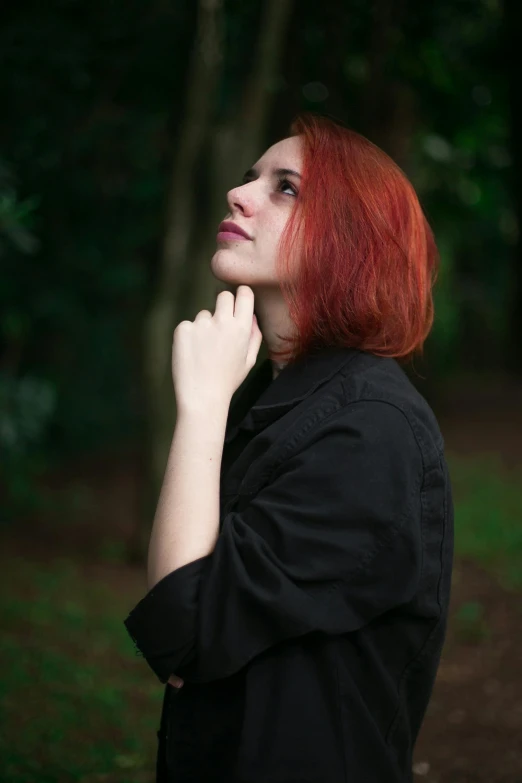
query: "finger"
256, 338
224, 303
244, 308
203, 314
177, 682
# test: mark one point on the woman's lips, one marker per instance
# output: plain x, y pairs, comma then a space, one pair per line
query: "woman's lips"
231, 236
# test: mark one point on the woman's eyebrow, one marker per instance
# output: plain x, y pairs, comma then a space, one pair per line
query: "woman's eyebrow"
277, 172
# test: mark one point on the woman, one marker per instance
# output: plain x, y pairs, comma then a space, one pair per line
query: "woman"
300, 559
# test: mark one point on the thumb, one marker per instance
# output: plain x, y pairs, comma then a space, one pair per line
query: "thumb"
256, 338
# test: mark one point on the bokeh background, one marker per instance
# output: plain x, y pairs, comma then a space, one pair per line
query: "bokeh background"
123, 126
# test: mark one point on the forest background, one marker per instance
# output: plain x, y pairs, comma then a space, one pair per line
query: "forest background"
123, 126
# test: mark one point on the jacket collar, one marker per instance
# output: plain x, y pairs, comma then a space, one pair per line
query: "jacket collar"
261, 399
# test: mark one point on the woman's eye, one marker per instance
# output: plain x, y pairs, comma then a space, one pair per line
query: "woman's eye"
284, 184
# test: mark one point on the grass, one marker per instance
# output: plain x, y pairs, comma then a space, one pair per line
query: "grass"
78, 705
488, 515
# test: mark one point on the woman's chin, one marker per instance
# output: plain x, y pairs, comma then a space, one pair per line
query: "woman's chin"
225, 271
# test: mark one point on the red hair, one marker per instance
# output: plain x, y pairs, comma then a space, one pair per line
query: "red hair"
366, 259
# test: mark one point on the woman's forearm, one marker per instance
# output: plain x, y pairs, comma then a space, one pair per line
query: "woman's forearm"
186, 523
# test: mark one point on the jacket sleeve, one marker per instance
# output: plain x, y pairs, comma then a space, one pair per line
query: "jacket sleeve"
330, 543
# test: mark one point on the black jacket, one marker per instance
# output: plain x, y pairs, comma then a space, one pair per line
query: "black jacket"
310, 637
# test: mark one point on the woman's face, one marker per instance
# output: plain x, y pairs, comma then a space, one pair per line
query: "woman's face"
260, 206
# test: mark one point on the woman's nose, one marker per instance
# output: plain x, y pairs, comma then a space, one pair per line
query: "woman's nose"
240, 199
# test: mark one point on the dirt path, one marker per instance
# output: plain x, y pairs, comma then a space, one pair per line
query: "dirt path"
473, 729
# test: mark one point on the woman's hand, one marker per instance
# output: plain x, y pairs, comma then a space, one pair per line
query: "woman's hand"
212, 355
177, 682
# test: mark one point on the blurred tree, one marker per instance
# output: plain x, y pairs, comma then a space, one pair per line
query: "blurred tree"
237, 137
97, 104
227, 143
513, 54
163, 314
388, 103
27, 399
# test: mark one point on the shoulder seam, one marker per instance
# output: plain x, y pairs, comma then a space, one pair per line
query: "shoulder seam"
397, 408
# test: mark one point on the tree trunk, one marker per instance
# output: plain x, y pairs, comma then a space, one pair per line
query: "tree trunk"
236, 142
513, 48
182, 292
163, 313
388, 111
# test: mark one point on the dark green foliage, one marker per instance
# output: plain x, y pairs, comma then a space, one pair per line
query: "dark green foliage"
93, 97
